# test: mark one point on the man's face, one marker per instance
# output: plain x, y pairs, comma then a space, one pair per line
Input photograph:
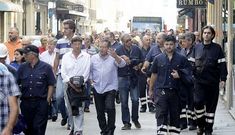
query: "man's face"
207, 35
87, 40
67, 30
160, 40
169, 46
146, 41
13, 34
186, 43
29, 57
197, 36
50, 47
104, 48
127, 42
76, 46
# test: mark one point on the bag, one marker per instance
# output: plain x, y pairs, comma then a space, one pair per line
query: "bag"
76, 93
76, 88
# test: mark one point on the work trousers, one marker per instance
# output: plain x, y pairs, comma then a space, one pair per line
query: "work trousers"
167, 106
206, 99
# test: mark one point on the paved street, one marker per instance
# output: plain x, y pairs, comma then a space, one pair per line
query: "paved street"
224, 124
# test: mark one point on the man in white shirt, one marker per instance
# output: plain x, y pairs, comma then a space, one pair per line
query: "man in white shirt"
104, 78
76, 63
48, 56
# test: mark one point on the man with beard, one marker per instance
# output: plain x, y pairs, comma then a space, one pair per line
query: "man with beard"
166, 74
14, 42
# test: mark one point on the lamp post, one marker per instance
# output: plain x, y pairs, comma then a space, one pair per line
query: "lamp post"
229, 84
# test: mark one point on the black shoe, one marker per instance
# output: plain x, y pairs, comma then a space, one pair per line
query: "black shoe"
69, 127
49, 117
63, 122
137, 124
183, 126
200, 131
142, 109
192, 127
71, 132
118, 98
126, 126
54, 118
208, 133
86, 109
152, 109
110, 132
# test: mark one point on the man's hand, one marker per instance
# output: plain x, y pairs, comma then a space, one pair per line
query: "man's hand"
6, 131
127, 59
221, 84
148, 80
112, 52
49, 100
175, 74
143, 69
136, 68
151, 94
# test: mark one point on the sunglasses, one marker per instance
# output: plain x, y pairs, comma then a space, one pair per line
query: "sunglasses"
128, 40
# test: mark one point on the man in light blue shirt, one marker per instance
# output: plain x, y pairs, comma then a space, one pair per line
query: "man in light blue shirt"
104, 78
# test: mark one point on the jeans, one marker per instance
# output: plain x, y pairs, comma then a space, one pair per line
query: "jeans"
88, 93
127, 85
60, 88
105, 103
52, 111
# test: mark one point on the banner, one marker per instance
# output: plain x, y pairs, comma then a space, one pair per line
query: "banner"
191, 3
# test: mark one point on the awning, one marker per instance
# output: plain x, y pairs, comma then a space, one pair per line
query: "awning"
8, 6
184, 11
72, 12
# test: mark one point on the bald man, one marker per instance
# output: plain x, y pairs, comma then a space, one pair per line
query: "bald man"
142, 80
13, 42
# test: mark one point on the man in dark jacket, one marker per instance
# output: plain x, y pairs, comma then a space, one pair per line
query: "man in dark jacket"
210, 72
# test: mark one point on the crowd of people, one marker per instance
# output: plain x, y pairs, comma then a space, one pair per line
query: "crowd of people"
175, 76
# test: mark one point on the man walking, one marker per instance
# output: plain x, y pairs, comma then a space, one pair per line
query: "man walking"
9, 92
36, 81
210, 72
166, 74
75, 63
105, 81
142, 80
187, 116
128, 81
63, 46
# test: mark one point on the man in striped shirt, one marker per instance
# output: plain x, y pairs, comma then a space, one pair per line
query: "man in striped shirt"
63, 46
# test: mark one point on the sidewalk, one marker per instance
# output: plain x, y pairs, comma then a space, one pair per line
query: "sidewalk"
224, 124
